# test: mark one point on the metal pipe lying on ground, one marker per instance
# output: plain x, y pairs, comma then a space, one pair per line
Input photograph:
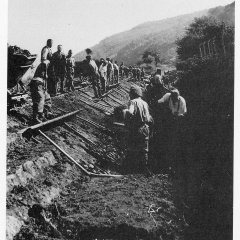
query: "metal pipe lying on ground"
43, 124
74, 161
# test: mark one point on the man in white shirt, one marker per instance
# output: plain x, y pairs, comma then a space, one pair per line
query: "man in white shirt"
176, 103
172, 126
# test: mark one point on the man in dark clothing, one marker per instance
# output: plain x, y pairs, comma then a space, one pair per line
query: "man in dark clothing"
59, 66
137, 120
70, 64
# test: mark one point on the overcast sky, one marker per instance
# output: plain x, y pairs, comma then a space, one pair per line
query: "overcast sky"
78, 24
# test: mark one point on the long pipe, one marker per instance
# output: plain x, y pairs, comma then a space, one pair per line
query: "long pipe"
74, 161
34, 127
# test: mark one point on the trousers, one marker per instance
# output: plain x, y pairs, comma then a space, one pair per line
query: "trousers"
40, 98
138, 148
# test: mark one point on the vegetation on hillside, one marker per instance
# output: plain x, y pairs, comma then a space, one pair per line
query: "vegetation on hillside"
207, 84
158, 36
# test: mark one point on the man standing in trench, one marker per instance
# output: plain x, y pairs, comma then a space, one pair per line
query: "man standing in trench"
137, 120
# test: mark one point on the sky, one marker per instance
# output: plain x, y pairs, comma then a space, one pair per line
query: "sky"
78, 24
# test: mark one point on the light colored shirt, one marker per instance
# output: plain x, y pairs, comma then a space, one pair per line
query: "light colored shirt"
103, 70
46, 54
179, 108
115, 66
137, 112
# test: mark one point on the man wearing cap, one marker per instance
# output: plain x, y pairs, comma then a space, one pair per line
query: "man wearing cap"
70, 64
59, 66
103, 74
137, 120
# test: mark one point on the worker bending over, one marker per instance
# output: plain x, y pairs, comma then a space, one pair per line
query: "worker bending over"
173, 127
137, 120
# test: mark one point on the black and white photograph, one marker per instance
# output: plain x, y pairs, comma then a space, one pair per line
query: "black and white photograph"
120, 120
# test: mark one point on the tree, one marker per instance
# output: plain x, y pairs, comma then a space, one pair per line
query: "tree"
202, 30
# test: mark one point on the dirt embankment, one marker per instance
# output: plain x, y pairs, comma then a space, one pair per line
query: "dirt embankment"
49, 198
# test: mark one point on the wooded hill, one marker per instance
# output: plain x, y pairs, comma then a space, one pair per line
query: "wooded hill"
158, 36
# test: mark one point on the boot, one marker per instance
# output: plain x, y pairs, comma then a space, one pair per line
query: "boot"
36, 119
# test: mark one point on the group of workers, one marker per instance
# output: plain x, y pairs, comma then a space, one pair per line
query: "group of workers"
56, 71
152, 117
107, 73
153, 120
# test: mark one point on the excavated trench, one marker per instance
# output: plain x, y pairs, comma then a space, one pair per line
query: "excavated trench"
48, 197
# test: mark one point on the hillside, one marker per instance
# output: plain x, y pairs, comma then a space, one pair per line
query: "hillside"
159, 35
